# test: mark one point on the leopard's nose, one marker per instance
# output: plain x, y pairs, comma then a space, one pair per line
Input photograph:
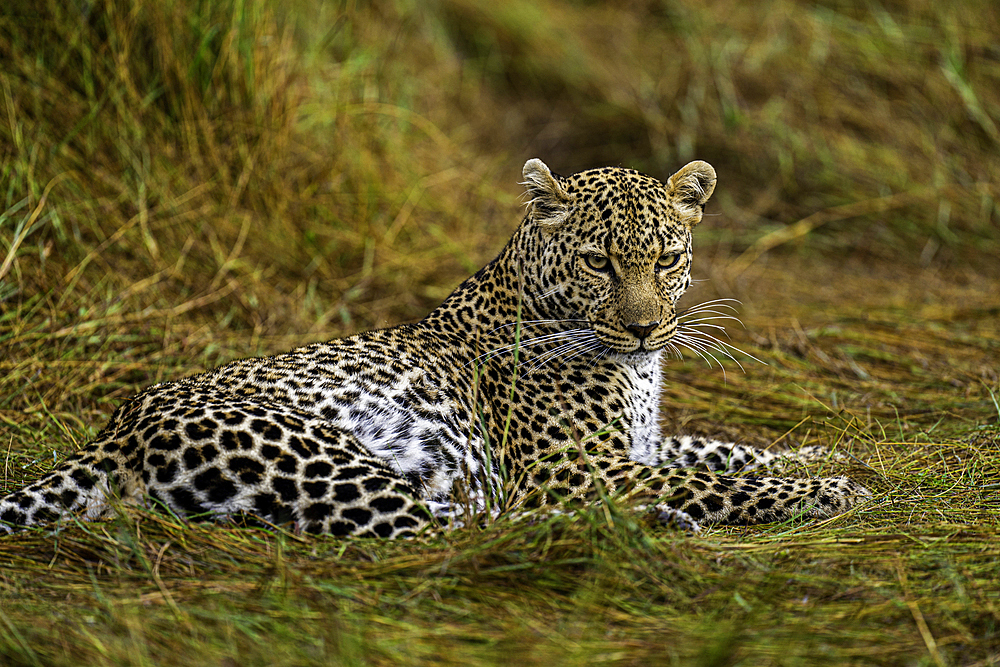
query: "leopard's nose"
640, 331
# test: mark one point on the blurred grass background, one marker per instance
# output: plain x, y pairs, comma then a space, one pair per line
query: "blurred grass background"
186, 182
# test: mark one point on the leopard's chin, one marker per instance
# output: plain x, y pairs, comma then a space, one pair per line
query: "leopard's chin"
633, 347
636, 357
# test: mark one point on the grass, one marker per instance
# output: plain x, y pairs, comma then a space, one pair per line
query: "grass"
185, 183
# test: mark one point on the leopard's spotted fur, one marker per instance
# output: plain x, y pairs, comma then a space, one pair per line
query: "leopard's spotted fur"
537, 379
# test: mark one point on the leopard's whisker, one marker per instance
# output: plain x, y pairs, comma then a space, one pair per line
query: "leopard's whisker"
719, 303
530, 323
544, 338
600, 356
582, 345
578, 348
706, 309
718, 327
706, 341
550, 292
554, 352
529, 342
705, 320
702, 350
593, 346
718, 344
676, 351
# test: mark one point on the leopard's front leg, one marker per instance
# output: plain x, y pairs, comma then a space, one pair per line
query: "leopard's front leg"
704, 496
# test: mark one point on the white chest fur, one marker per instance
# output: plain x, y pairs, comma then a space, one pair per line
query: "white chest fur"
645, 379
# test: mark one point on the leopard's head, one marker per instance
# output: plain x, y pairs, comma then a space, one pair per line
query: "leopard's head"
611, 248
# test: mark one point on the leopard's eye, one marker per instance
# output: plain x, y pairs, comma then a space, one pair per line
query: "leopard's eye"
668, 261
598, 262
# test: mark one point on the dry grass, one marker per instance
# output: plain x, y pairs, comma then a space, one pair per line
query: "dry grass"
186, 183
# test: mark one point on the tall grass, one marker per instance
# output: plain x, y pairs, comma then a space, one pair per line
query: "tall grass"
832, 104
186, 182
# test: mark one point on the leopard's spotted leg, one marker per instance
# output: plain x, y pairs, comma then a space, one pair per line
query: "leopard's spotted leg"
200, 456
235, 457
697, 453
703, 496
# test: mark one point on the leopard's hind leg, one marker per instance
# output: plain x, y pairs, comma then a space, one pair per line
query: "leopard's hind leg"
202, 457
205, 457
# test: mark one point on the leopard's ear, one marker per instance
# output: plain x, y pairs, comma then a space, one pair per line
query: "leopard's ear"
689, 189
548, 202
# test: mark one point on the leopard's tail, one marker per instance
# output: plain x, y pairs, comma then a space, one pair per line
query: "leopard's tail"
81, 486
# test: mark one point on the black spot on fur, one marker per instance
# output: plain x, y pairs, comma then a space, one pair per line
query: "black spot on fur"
287, 464
12, 516
317, 511
291, 423
192, 458
695, 511
248, 470
326, 435
185, 502
315, 489
230, 441
713, 503
45, 515
68, 497
285, 488
557, 433
299, 447
166, 442
318, 469
264, 505
200, 430
267, 430
233, 419
375, 484
345, 493
387, 503
353, 472
219, 488
383, 530
340, 528
740, 499
209, 452
23, 500
167, 473
83, 478
358, 515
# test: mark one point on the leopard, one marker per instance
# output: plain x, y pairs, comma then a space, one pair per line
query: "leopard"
536, 384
